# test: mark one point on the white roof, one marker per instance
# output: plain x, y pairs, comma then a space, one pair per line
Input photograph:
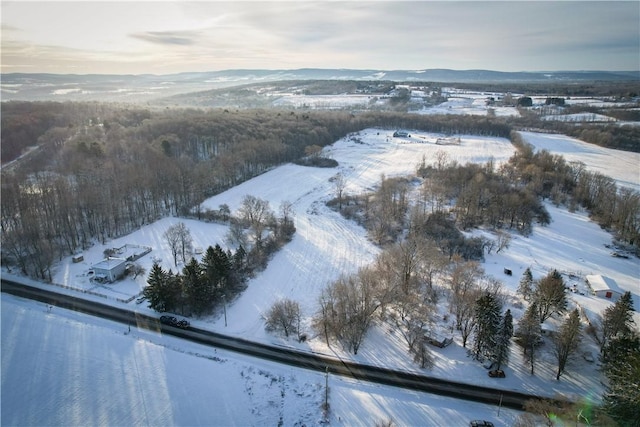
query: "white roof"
599, 282
109, 263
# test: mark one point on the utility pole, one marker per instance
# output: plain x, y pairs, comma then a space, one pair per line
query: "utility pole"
326, 389
224, 304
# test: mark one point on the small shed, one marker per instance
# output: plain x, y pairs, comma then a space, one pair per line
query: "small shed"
110, 269
603, 286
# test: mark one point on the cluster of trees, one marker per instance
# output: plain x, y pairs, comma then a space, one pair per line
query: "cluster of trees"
402, 289
482, 194
397, 290
382, 212
493, 330
620, 356
546, 296
200, 286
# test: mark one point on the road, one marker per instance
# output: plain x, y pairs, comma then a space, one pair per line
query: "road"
334, 366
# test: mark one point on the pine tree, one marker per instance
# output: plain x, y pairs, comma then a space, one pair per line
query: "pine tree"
195, 287
216, 266
173, 292
529, 333
526, 284
487, 315
617, 320
503, 340
566, 341
621, 365
154, 292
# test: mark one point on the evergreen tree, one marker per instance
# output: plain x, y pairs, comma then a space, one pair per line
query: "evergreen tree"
503, 339
195, 287
216, 266
621, 365
617, 320
174, 292
529, 334
239, 259
550, 295
566, 341
154, 292
526, 284
487, 315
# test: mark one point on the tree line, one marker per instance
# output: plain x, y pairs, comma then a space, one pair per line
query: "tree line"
200, 286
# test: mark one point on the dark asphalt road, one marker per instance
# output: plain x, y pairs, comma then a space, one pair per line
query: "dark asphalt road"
334, 366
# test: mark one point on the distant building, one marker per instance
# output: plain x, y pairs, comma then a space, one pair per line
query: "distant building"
603, 286
401, 134
110, 269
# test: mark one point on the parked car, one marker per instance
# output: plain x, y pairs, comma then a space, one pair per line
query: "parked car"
496, 373
480, 423
172, 321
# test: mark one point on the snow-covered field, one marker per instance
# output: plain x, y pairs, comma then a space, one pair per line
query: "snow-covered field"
623, 166
324, 247
63, 368
469, 105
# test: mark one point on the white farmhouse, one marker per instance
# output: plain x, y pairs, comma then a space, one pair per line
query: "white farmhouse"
110, 269
603, 286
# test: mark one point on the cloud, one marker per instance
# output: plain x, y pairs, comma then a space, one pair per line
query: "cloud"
173, 38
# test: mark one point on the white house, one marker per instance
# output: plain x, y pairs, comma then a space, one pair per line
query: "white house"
603, 286
110, 269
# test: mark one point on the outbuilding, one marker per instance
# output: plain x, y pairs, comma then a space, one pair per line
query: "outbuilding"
110, 269
603, 286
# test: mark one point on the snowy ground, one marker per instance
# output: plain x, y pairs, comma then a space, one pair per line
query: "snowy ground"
324, 247
469, 104
63, 368
623, 166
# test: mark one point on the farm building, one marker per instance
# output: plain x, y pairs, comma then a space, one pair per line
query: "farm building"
401, 134
110, 269
603, 286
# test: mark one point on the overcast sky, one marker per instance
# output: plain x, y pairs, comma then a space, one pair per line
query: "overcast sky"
175, 36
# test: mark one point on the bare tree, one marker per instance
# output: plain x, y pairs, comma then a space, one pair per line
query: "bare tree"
339, 184
284, 316
179, 239
137, 270
463, 277
347, 307
255, 213
566, 341
421, 354
172, 238
504, 240
236, 234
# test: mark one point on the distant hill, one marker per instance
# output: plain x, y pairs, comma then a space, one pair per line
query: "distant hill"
145, 87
